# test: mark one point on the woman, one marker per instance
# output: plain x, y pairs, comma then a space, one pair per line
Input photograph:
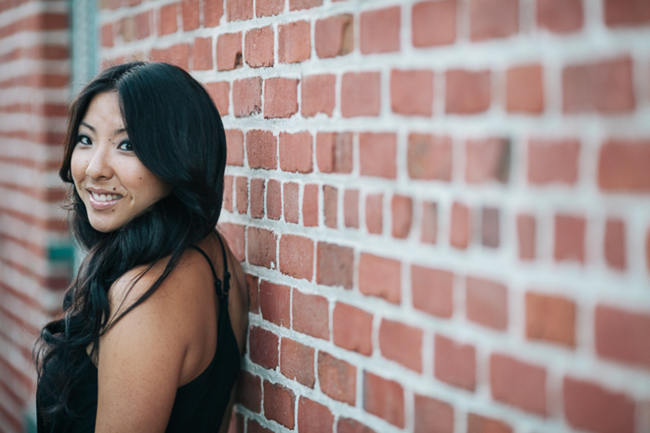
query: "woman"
155, 320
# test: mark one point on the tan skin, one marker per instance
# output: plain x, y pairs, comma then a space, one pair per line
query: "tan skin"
165, 342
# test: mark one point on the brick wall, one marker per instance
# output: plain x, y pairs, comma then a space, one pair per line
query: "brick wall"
34, 244
442, 206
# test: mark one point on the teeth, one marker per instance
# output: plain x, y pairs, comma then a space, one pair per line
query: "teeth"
105, 197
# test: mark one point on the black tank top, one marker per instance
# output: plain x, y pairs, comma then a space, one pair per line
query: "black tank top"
199, 406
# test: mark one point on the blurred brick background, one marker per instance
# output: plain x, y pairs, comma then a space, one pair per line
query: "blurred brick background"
443, 206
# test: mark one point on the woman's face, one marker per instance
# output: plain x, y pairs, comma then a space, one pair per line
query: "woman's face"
110, 179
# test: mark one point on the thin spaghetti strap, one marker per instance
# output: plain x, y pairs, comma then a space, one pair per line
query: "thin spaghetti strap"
226, 274
223, 294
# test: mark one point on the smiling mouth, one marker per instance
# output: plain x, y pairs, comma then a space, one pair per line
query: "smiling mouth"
103, 201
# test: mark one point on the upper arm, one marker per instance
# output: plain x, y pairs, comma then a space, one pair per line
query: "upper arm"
140, 360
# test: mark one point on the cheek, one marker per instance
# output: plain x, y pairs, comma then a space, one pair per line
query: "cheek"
77, 166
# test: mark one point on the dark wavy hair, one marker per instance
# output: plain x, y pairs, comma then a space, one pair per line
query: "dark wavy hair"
176, 132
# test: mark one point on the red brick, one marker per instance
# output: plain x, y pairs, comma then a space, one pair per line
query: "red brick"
273, 200
297, 256
432, 290
168, 19
229, 52
380, 30
553, 161
335, 265
279, 403
297, 362
467, 92
402, 212
411, 92
433, 415
482, 424
487, 160
257, 198
623, 166
314, 417
518, 383
383, 398
429, 223
351, 208
190, 13
212, 12
227, 193
234, 235
550, 318
401, 343
455, 363
220, 94
237, 10
253, 427
433, 23
380, 276
253, 293
622, 335
280, 97
493, 19
178, 54
263, 348
337, 378
241, 188
235, 145
261, 247
606, 87
275, 302
247, 96
429, 157
143, 24
265, 8
378, 154
294, 42
560, 16
614, 245
249, 391
569, 242
334, 152
290, 202
106, 35
261, 149
347, 317
490, 229
461, 226
330, 206
486, 303
311, 315
526, 228
349, 425
334, 36
295, 5
525, 89
310, 205
624, 13
360, 94
374, 213
317, 94
259, 47
296, 152
589, 406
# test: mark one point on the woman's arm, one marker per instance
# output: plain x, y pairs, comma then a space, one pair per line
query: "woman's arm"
140, 357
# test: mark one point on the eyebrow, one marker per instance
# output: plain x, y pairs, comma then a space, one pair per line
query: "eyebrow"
117, 131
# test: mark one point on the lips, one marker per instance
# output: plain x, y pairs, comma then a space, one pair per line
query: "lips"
101, 200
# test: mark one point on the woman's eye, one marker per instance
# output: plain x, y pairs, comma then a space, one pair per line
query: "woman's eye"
83, 139
125, 145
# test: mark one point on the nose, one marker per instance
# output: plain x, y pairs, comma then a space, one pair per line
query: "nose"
99, 164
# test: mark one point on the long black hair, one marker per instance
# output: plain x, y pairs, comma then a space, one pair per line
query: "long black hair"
176, 132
